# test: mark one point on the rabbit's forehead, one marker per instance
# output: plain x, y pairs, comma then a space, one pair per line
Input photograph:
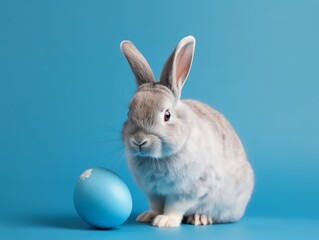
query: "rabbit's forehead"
145, 107
151, 97
149, 101
154, 87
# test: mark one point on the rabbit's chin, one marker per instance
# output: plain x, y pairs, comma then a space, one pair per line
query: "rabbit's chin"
154, 153
146, 153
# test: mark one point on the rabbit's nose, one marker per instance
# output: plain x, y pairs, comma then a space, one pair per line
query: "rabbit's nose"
139, 143
139, 138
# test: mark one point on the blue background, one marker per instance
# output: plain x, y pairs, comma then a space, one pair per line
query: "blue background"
65, 86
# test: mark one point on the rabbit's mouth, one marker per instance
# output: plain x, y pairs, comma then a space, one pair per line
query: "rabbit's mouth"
153, 152
144, 152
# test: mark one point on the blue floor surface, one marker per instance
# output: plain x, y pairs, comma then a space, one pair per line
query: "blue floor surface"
61, 226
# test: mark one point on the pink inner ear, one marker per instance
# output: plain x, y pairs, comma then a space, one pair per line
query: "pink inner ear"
183, 63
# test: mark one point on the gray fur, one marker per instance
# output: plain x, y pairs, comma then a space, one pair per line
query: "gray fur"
175, 64
140, 67
192, 165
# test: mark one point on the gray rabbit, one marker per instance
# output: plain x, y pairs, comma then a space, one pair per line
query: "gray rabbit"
184, 155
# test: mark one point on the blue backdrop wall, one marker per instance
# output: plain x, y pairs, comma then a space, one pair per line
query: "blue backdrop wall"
65, 86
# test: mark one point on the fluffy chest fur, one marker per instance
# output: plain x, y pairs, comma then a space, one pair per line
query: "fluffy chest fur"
194, 170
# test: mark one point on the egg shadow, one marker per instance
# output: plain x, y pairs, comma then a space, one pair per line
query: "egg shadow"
61, 221
70, 221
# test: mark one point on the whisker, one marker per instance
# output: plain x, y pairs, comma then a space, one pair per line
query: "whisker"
108, 128
117, 155
109, 140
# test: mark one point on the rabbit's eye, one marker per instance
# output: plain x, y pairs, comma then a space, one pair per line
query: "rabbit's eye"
167, 116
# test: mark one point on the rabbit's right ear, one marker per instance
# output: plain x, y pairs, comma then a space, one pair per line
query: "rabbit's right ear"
178, 65
141, 69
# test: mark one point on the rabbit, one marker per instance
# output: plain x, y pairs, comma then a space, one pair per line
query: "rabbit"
183, 154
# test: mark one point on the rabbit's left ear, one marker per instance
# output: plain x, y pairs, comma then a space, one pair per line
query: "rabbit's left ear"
140, 67
178, 65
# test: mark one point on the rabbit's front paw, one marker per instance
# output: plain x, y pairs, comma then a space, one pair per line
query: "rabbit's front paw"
167, 221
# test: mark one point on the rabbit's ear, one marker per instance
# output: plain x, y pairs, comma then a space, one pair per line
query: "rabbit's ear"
141, 69
177, 66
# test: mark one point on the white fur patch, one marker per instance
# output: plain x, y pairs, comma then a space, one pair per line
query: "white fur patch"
86, 174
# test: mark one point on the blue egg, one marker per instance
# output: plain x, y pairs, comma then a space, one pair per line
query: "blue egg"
101, 198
